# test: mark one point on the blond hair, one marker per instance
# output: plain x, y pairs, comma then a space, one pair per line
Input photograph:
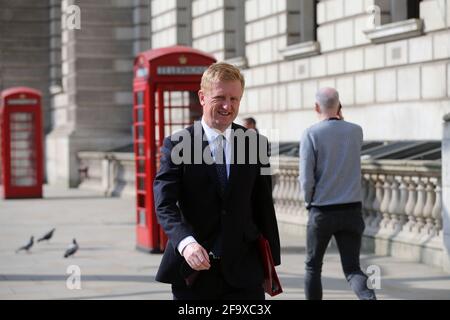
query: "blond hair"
221, 71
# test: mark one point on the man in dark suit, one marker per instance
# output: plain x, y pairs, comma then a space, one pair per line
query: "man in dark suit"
213, 198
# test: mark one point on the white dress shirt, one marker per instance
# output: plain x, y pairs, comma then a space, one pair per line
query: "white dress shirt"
211, 135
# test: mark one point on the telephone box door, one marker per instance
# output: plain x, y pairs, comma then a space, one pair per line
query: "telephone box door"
166, 85
21, 143
177, 108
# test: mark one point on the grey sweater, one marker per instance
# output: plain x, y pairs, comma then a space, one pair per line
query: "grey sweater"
330, 163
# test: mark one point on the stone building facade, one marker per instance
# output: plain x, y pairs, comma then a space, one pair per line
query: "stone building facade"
389, 60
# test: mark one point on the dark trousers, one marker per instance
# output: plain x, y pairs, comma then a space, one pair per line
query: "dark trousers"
346, 224
211, 285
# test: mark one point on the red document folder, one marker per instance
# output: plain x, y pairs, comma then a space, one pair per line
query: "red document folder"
272, 285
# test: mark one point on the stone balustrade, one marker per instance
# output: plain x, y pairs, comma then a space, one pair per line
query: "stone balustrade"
402, 200
402, 196
402, 206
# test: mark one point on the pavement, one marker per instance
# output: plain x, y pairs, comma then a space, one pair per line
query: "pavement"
111, 268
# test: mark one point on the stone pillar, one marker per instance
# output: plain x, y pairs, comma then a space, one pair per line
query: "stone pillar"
446, 189
93, 112
55, 80
142, 26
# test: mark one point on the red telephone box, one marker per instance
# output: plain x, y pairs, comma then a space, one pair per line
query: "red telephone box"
21, 143
166, 82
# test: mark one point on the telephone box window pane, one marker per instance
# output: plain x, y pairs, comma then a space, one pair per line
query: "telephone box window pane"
141, 166
23, 181
21, 144
140, 149
18, 117
19, 162
140, 97
21, 126
140, 115
21, 172
140, 132
23, 155
156, 116
141, 183
141, 215
141, 201
22, 135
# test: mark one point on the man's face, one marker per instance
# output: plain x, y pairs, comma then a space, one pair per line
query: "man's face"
221, 103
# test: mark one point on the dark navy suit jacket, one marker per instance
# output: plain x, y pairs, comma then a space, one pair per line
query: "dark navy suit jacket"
189, 201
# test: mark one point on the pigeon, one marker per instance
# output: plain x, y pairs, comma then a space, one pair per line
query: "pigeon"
28, 246
72, 249
47, 236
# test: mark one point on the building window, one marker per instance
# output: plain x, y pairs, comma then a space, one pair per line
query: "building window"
404, 10
395, 20
308, 20
234, 24
302, 29
218, 27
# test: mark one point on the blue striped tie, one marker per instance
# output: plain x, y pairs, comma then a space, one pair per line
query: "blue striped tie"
221, 167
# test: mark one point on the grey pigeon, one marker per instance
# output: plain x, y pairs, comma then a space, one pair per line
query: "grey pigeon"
72, 249
28, 246
47, 236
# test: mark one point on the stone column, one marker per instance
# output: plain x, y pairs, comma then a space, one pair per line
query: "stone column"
55, 47
142, 26
93, 112
446, 189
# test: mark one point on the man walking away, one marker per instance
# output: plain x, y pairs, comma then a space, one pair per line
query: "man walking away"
330, 179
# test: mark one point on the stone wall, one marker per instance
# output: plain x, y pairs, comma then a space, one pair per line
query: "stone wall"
93, 109
218, 27
393, 89
24, 48
171, 23
393, 78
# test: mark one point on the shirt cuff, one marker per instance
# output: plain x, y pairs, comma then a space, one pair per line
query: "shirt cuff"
183, 243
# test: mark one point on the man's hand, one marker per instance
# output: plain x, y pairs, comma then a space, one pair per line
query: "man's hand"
196, 256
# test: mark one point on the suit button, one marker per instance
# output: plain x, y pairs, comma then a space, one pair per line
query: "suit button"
224, 212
